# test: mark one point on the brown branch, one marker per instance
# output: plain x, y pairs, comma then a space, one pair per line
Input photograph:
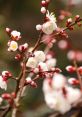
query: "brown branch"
38, 42
6, 111
19, 90
67, 28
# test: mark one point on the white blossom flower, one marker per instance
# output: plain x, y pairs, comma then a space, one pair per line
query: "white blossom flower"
28, 79
39, 56
38, 27
73, 95
62, 104
3, 84
46, 86
50, 100
43, 66
15, 34
51, 16
49, 27
13, 46
59, 81
54, 96
55, 100
32, 62
51, 63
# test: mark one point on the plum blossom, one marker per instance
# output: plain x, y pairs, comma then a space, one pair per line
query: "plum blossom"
60, 97
13, 46
43, 66
15, 35
59, 81
55, 100
51, 63
73, 95
6, 74
49, 26
39, 56
23, 47
3, 83
32, 62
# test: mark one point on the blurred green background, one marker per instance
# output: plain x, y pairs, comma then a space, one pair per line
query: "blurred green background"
23, 15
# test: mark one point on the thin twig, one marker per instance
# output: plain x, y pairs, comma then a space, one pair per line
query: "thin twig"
6, 111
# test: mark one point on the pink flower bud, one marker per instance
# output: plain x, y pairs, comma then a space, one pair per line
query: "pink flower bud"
8, 30
6, 74
15, 35
73, 81
33, 84
70, 69
38, 27
23, 47
28, 80
18, 57
44, 3
43, 10
69, 20
77, 17
6, 96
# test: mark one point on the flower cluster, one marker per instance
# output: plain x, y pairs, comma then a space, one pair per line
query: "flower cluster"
41, 61
50, 25
12, 43
59, 96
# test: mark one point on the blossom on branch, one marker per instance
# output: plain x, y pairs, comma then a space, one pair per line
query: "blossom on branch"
13, 46
15, 35
3, 83
58, 95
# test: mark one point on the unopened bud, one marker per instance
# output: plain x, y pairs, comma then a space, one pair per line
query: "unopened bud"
73, 81
70, 69
6, 96
43, 10
33, 84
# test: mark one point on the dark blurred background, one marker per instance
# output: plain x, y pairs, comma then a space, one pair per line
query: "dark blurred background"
23, 15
